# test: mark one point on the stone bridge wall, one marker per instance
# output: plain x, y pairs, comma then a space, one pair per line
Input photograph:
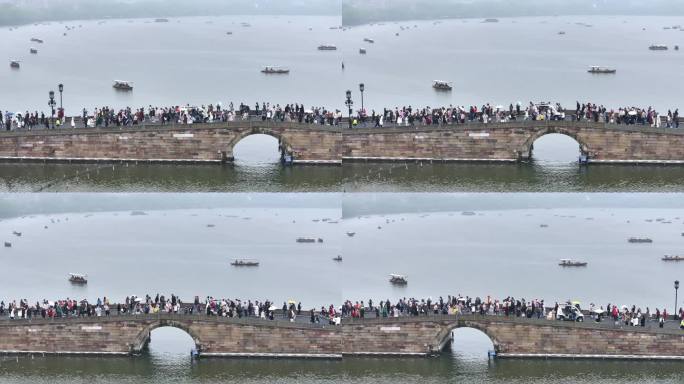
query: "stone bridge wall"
309, 143
171, 143
512, 337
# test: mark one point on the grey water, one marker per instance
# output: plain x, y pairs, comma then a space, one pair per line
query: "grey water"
194, 61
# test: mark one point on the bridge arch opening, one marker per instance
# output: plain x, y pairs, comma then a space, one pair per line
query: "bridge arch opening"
555, 149
470, 344
168, 343
258, 150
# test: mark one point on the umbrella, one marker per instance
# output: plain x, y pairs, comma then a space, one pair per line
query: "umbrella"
632, 113
138, 300
291, 301
272, 308
598, 311
575, 302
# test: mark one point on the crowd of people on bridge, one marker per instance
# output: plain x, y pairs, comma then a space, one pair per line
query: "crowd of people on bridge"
134, 305
295, 112
454, 305
291, 310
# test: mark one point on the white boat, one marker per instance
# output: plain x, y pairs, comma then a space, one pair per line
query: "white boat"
270, 69
327, 47
244, 263
77, 278
658, 47
442, 85
398, 279
123, 85
598, 69
572, 263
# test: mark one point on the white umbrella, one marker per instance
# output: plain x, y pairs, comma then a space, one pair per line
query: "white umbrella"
272, 308
632, 113
598, 311
138, 300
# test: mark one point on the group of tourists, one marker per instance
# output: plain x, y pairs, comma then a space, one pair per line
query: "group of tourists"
295, 112
634, 316
104, 117
454, 305
627, 115
291, 310
134, 305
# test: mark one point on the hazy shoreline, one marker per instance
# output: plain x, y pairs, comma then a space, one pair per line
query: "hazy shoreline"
14, 15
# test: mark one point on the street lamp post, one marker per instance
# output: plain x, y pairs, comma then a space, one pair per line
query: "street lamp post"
362, 88
61, 90
676, 301
52, 104
349, 104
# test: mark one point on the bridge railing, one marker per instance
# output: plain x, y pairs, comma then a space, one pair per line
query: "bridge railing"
278, 321
606, 324
303, 321
342, 126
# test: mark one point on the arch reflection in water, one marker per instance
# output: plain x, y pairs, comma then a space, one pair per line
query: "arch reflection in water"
258, 150
170, 347
470, 344
555, 149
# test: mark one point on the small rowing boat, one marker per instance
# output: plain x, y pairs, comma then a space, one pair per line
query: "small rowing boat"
398, 279
309, 240
572, 263
601, 70
244, 263
122, 85
658, 47
639, 240
275, 70
77, 278
442, 85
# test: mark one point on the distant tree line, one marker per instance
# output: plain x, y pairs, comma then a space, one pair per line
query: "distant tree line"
356, 12
15, 12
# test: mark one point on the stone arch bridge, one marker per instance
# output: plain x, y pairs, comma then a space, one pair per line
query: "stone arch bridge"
319, 144
406, 336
